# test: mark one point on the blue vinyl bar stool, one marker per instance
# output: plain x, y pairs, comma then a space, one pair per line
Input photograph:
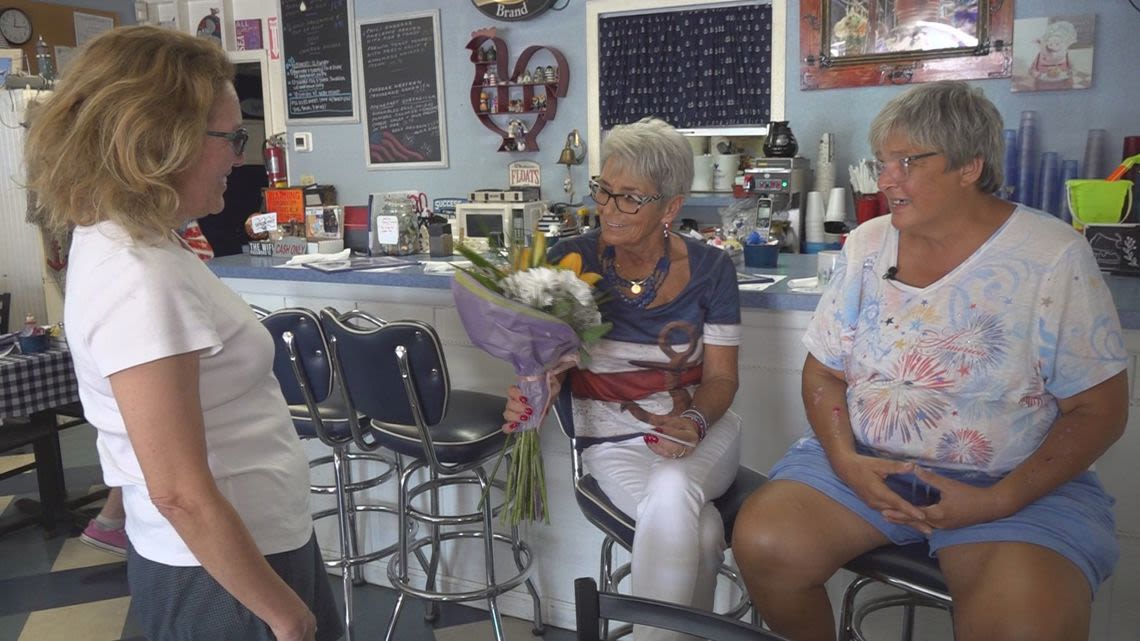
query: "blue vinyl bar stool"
906, 567
619, 527
394, 374
304, 370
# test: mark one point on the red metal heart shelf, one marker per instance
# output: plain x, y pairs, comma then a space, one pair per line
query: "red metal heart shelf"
510, 88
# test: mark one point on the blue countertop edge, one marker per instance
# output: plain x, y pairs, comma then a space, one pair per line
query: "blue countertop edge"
778, 297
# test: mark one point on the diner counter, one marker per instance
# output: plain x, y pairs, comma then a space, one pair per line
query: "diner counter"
777, 297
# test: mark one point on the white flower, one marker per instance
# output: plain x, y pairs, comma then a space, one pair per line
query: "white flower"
553, 290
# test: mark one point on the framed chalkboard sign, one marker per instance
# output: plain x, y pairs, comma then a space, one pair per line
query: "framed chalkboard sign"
1116, 247
317, 50
401, 73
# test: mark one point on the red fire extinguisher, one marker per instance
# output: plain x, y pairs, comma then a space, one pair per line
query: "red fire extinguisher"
274, 154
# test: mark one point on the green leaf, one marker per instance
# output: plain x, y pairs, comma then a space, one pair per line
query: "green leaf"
595, 333
483, 279
479, 261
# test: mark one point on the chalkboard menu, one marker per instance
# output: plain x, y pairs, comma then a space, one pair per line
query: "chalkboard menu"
402, 77
318, 60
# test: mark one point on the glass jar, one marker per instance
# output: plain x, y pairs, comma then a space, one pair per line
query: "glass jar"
397, 221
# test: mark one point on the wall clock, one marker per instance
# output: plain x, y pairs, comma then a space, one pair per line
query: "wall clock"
512, 10
15, 26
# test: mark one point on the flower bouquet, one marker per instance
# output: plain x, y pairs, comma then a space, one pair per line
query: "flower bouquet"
539, 318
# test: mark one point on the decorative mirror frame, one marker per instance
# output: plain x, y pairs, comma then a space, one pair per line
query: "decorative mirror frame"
991, 58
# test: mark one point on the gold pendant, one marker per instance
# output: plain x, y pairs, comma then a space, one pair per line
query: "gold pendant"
635, 288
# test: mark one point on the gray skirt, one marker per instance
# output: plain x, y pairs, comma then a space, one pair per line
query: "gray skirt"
171, 603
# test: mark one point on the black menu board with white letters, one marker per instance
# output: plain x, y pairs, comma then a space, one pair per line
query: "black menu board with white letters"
401, 76
317, 54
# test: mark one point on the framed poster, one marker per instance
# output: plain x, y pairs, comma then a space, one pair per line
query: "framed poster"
207, 19
401, 75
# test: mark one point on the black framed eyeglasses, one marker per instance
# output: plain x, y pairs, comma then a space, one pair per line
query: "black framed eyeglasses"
237, 138
903, 164
626, 203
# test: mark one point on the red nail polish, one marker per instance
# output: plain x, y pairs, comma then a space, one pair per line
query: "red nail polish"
514, 426
649, 438
522, 398
528, 412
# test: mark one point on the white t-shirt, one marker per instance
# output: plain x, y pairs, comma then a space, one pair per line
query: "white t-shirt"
966, 372
129, 304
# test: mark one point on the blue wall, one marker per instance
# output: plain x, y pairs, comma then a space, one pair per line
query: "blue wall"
338, 150
1066, 116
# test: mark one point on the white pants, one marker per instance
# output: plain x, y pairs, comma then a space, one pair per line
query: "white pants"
679, 542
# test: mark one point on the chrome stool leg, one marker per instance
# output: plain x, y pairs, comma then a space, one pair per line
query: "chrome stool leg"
351, 559
539, 628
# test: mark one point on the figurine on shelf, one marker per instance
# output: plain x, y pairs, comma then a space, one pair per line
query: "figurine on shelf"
551, 73
538, 102
492, 53
526, 80
539, 75
491, 77
516, 129
493, 104
484, 101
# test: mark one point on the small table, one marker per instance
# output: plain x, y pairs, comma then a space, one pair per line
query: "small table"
34, 388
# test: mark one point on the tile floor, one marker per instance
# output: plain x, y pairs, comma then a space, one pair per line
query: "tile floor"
58, 588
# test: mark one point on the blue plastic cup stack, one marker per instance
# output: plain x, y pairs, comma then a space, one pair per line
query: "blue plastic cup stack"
1027, 159
1068, 172
1094, 165
1009, 165
1050, 183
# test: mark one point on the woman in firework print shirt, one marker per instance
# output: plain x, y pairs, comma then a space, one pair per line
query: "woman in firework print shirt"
966, 367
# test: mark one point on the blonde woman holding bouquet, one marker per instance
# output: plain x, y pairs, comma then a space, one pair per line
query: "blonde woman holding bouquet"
665, 374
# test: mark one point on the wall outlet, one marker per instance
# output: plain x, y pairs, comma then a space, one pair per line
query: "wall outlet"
302, 141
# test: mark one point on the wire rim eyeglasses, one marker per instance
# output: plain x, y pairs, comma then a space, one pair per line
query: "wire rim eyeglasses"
903, 163
237, 138
625, 203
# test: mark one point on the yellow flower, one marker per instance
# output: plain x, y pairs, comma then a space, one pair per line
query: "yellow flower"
573, 262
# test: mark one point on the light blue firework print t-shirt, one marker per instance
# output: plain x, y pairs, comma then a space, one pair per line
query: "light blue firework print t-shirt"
965, 373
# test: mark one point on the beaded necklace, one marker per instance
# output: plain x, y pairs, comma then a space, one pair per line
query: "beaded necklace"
644, 290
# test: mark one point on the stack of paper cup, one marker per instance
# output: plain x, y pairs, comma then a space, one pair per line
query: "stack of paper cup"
700, 144
825, 165
836, 211
813, 223
702, 173
724, 171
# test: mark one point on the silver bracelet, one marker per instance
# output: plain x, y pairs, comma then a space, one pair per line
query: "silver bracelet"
695, 415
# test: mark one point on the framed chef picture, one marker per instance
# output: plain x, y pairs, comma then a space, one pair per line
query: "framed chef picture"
208, 19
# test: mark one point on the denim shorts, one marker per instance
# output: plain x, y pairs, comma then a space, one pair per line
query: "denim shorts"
1075, 520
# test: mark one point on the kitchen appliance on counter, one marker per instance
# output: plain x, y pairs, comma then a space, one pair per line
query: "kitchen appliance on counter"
485, 225
781, 185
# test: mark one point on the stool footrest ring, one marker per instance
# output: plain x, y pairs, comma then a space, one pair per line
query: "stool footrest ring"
500, 586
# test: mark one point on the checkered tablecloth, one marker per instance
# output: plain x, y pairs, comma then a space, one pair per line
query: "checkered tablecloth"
35, 382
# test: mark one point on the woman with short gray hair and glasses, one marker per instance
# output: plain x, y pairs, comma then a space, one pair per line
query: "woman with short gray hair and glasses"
651, 406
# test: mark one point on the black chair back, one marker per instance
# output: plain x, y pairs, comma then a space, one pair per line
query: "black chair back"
5, 311
593, 607
303, 329
373, 362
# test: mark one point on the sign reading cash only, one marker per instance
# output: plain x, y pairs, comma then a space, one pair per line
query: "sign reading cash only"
512, 10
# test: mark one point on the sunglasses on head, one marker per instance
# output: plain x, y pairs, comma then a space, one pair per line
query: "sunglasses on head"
237, 138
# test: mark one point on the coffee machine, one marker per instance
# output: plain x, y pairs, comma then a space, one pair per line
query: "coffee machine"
781, 185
